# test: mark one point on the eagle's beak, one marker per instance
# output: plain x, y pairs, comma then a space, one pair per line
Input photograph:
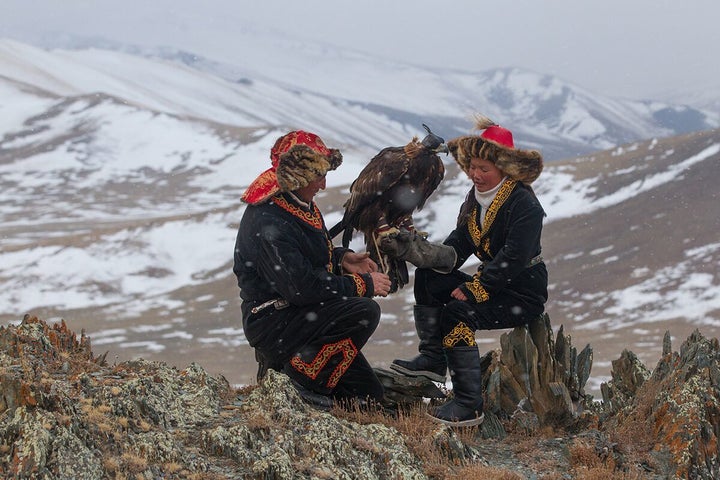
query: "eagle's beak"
442, 148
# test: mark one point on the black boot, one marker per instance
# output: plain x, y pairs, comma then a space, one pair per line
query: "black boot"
266, 363
466, 407
431, 362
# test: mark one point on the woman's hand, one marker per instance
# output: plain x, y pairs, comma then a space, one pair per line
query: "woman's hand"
458, 294
358, 263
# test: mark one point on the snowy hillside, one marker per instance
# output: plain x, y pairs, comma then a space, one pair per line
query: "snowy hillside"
120, 179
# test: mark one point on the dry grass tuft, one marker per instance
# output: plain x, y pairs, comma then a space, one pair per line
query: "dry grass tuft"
417, 430
111, 464
258, 421
480, 471
133, 463
583, 456
635, 431
600, 473
172, 467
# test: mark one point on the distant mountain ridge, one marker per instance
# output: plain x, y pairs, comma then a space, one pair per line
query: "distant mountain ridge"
369, 102
560, 118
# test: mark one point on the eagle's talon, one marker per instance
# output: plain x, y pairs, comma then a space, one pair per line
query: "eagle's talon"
388, 232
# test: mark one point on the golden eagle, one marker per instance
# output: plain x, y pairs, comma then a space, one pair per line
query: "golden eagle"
396, 183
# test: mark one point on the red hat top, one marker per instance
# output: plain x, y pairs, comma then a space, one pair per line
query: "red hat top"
500, 135
306, 155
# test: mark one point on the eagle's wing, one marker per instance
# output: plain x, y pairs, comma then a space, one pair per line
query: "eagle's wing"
434, 176
382, 172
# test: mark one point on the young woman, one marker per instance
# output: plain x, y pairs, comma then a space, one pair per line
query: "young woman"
500, 222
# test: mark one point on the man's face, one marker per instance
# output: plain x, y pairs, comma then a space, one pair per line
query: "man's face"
307, 193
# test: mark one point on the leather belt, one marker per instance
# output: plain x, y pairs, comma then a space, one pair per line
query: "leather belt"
278, 303
534, 261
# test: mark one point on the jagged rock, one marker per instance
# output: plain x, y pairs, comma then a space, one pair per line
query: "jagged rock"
674, 413
628, 375
533, 375
539, 375
65, 414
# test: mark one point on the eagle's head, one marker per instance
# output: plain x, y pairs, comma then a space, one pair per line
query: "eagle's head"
434, 142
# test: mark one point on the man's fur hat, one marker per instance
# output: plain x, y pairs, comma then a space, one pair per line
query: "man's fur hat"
298, 158
496, 145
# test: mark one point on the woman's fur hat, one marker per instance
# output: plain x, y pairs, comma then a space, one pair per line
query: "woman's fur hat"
496, 145
298, 158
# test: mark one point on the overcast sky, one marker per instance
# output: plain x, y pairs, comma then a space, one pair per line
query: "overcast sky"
621, 48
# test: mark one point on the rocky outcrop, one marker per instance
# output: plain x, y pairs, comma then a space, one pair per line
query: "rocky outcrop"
673, 412
65, 413
537, 377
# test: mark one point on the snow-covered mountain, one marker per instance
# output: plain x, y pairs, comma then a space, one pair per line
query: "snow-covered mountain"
121, 172
357, 100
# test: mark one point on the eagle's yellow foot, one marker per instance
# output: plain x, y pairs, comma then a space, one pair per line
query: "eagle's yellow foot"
385, 232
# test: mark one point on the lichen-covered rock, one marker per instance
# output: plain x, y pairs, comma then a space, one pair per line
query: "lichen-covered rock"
284, 438
675, 412
66, 414
627, 376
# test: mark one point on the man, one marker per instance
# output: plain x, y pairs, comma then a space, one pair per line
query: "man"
307, 305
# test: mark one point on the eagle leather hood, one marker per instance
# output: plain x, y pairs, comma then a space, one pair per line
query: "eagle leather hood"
298, 158
496, 145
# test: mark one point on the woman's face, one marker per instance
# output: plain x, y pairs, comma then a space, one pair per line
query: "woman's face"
484, 174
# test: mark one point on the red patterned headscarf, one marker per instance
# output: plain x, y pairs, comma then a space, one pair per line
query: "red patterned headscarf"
298, 158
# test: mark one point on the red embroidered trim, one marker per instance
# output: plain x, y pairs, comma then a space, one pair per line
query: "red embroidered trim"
360, 285
313, 218
345, 347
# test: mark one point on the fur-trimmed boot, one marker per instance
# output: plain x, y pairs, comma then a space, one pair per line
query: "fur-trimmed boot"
431, 362
465, 409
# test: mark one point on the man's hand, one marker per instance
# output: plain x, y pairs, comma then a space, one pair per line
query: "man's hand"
358, 263
381, 284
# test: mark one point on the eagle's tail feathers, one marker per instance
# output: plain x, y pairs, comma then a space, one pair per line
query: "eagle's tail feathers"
347, 236
398, 273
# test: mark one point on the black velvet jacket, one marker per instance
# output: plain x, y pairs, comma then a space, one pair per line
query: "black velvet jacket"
506, 244
283, 251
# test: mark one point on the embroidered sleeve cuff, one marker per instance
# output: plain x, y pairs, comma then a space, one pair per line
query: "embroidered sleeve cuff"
476, 290
363, 284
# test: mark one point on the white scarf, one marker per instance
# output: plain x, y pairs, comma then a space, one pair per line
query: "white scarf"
485, 199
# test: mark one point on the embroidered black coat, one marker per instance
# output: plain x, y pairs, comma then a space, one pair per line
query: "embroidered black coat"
506, 244
283, 251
